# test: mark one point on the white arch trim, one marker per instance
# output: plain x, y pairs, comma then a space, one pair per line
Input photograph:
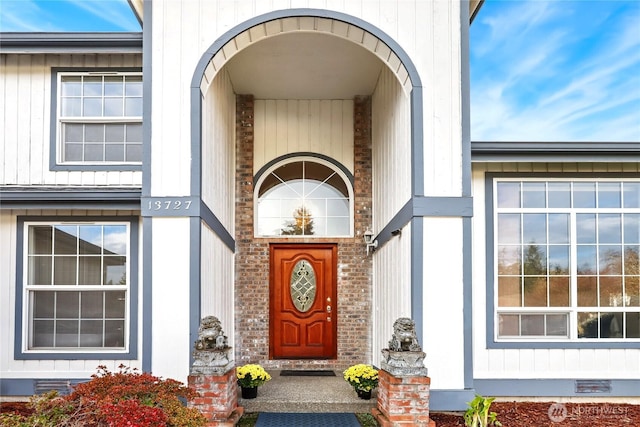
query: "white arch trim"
309, 24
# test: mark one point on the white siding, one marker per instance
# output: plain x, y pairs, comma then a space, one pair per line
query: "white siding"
218, 150
16, 369
537, 363
289, 126
217, 281
25, 120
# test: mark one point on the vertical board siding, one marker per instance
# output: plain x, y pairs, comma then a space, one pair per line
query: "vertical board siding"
391, 135
536, 363
218, 149
16, 369
290, 126
25, 97
217, 281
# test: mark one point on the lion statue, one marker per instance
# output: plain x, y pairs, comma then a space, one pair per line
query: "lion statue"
210, 335
404, 336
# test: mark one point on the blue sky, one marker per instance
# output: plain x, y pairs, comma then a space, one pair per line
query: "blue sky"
556, 70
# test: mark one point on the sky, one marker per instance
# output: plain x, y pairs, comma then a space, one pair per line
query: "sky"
541, 70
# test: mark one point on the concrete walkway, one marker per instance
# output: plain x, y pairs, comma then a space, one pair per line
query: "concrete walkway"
307, 394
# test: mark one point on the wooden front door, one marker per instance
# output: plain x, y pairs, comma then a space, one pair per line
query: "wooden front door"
302, 308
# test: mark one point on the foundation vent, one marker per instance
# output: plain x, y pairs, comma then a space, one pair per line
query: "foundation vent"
593, 386
63, 387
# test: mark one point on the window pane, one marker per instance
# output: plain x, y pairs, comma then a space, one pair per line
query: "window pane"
92, 307
65, 270
509, 292
134, 133
559, 259
115, 270
113, 107
534, 228
133, 86
92, 86
66, 239
68, 305
114, 152
94, 133
532, 324
92, 107
632, 323
611, 291
90, 239
587, 260
535, 260
113, 86
611, 325
508, 194
609, 228
73, 152
610, 259
71, 107
632, 194
587, 291
114, 133
89, 271
535, 291
632, 228
40, 239
609, 195
559, 194
133, 107
509, 325
114, 333
94, 152
115, 239
534, 195
584, 195
558, 228
73, 132
586, 228
509, 261
338, 207
509, 228
587, 325
44, 305
557, 325
632, 291
91, 333
43, 333
114, 304
40, 270
336, 227
71, 86
559, 291
67, 333
133, 153
631, 260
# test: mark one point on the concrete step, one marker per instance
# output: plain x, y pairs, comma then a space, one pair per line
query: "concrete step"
307, 394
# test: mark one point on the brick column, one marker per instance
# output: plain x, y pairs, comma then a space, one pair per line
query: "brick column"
402, 401
217, 398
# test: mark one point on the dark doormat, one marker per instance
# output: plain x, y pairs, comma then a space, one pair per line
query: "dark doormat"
290, 419
307, 373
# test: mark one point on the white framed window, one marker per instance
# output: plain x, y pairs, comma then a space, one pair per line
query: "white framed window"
99, 118
566, 257
76, 286
304, 197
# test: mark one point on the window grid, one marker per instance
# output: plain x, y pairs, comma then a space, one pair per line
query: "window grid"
100, 118
82, 302
621, 318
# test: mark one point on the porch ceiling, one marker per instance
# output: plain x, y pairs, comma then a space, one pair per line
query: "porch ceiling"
304, 66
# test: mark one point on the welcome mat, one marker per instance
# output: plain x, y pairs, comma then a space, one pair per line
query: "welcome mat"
291, 419
307, 373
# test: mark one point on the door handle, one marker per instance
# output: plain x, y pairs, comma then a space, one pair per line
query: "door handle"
328, 309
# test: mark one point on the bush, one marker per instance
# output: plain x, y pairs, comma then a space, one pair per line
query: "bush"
123, 398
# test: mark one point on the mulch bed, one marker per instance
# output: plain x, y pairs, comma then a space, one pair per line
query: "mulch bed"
514, 414
543, 414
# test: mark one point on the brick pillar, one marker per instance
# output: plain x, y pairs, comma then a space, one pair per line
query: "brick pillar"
402, 401
217, 398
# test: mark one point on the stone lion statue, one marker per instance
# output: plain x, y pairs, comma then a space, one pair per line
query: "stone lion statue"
210, 335
404, 336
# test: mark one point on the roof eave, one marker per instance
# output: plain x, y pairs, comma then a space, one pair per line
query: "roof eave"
98, 42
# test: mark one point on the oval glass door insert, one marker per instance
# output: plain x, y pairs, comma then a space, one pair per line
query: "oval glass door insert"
303, 285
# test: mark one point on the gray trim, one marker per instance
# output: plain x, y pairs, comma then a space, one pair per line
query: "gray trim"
417, 273
450, 400
69, 198
27, 386
421, 206
195, 303
467, 299
490, 260
465, 98
218, 228
331, 160
53, 123
417, 142
146, 343
18, 353
89, 42
546, 151
551, 387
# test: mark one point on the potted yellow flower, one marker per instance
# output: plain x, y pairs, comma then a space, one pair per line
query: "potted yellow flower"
249, 377
363, 378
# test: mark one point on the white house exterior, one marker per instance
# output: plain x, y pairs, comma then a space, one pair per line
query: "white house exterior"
228, 161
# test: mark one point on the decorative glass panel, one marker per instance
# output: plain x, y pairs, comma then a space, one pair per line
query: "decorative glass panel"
303, 286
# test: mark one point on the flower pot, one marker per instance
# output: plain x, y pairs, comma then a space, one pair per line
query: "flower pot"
366, 395
249, 392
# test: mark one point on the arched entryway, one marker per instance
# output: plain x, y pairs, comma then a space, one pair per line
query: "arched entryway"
287, 82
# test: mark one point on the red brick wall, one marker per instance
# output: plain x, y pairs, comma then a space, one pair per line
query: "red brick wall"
252, 257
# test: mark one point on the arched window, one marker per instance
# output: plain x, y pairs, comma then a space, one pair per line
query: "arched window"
303, 197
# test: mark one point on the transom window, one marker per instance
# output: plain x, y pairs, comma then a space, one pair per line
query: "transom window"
76, 285
100, 118
567, 259
303, 198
